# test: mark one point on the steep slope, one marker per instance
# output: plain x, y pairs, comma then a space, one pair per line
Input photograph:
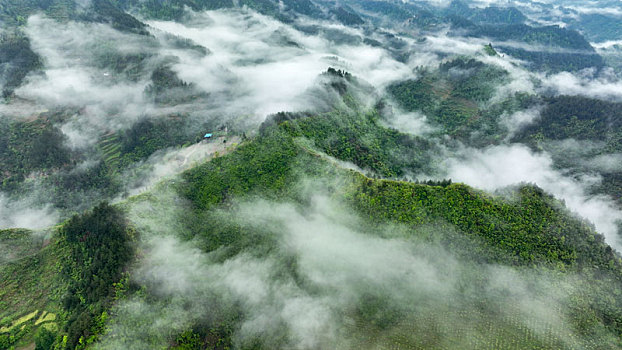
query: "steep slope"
530, 229
589, 129
60, 290
30, 288
235, 209
312, 232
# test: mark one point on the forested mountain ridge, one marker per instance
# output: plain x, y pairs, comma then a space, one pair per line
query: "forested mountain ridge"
192, 174
270, 166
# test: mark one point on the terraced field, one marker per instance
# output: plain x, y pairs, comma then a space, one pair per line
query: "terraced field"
110, 147
30, 282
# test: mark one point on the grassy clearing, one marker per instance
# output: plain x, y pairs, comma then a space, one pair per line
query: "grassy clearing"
20, 321
17, 243
26, 284
45, 317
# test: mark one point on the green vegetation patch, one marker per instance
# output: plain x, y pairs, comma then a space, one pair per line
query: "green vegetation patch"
30, 282
30, 146
457, 98
99, 246
45, 317
361, 139
525, 228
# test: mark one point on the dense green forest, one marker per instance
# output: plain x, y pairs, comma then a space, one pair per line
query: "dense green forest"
361, 139
455, 97
549, 36
209, 187
577, 117
70, 279
347, 17
554, 61
585, 120
167, 88
190, 214
104, 11
488, 15
27, 147
532, 230
99, 245
598, 27
16, 61
504, 231
553, 39
172, 9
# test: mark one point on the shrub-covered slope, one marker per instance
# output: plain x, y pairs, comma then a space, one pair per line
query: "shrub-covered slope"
524, 230
59, 290
529, 229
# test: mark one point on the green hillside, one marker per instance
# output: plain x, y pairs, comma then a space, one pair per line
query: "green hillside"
458, 97
529, 232
569, 119
188, 213
30, 289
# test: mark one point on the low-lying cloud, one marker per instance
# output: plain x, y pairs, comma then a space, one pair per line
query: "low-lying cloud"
269, 68
501, 166
327, 280
603, 85
168, 163
25, 213
79, 60
514, 122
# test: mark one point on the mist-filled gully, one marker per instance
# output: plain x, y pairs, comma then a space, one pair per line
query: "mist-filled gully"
305, 273
270, 68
